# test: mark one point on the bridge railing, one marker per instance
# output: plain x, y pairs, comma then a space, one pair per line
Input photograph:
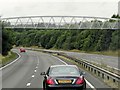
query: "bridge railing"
61, 22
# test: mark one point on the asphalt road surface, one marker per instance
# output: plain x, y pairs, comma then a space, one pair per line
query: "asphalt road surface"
25, 72
110, 61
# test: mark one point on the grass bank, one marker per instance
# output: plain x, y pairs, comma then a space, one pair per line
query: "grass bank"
9, 58
0, 60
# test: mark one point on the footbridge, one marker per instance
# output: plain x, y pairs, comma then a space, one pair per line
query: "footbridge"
61, 22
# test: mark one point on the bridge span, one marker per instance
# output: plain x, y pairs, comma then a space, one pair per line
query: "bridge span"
61, 22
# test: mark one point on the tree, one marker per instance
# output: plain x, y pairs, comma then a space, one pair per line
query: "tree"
53, 38
60, 41
6, 42
104, 40
115, 40
81, 36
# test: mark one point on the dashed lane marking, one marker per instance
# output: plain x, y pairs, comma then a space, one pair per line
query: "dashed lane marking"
35, 70
33, 75
38, 60
28, 84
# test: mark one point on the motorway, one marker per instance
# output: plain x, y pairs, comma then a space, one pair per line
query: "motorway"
25, 72
110, 61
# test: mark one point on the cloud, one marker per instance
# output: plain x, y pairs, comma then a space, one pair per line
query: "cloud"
58, 7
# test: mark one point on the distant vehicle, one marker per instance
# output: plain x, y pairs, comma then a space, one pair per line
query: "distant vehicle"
22, 50
63, 77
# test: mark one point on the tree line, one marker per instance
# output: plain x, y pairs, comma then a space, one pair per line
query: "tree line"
86, 40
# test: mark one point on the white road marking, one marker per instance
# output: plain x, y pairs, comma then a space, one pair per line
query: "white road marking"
62, 61
33, 75
12, 61
35, 70
85, 79
38, 61
28, 84
89, 84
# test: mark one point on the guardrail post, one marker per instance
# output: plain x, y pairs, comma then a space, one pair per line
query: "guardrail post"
91, 69
94, 71
103, 75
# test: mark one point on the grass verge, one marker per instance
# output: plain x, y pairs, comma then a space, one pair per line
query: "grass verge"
0, 60
9, 58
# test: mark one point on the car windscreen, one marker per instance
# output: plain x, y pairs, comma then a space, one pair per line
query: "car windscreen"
64, 71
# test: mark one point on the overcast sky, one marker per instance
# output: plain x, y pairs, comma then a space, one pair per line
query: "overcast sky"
100, 8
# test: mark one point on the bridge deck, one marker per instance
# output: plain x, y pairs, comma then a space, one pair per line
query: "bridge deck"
61, 22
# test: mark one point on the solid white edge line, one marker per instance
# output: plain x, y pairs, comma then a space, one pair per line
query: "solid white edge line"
12, 61
89, 84
62, 61
85, 79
